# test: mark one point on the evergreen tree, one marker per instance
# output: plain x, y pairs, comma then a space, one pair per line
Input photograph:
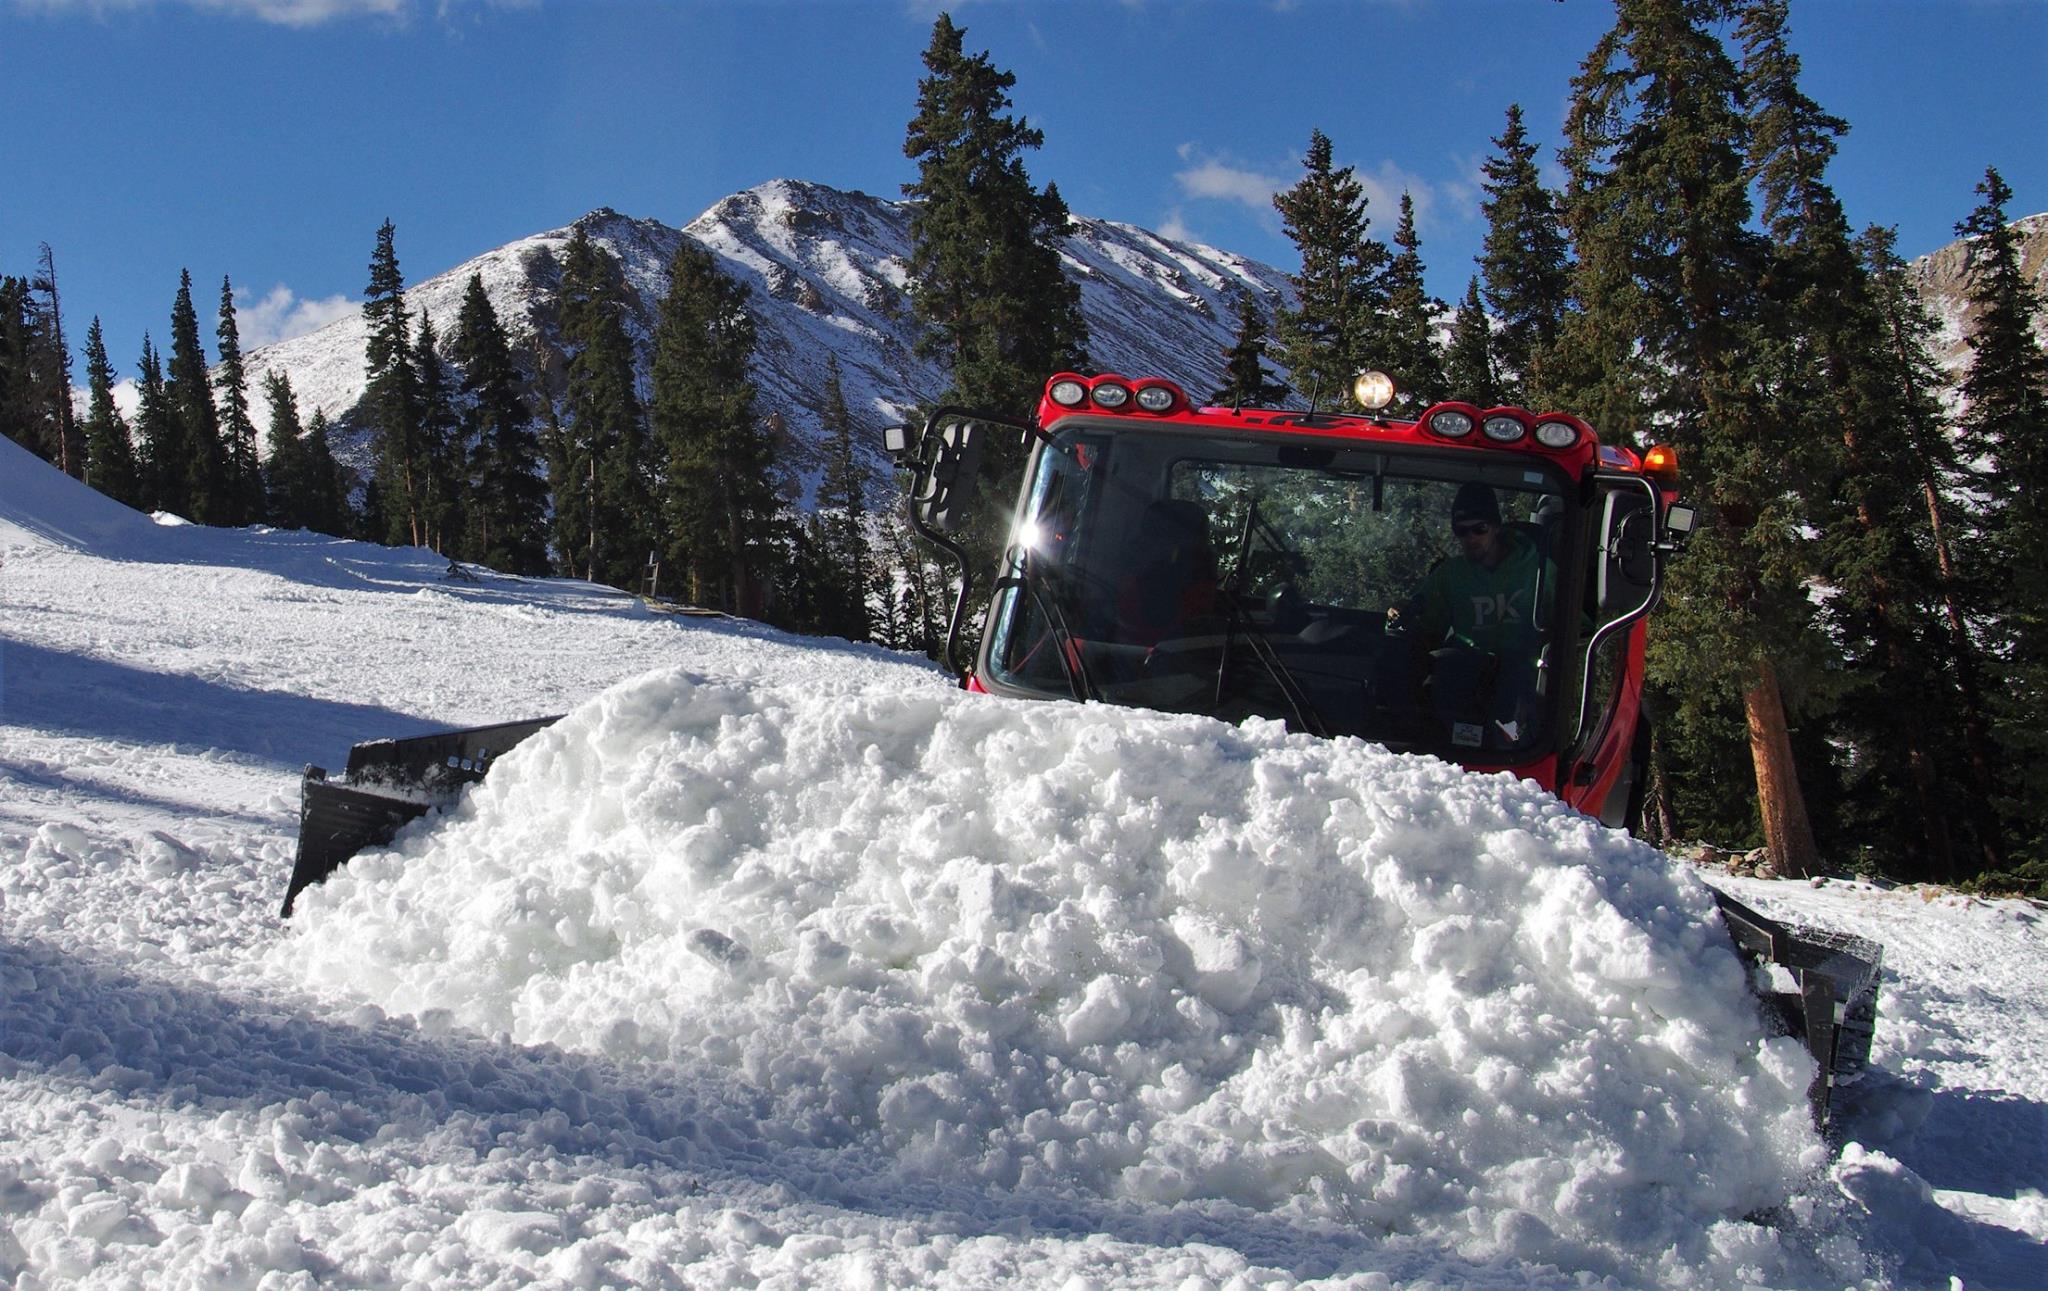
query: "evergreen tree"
1247, 382
985, 271
1822, 361
441, 501
165, 452
242, 485
1527, 267
1338, 328
20, 417
507, 498
1408, 347
189, 388
1905, 333
2005, 396
35, 371
717, 499
841, 523
285, 471
392, 400
1469, 371
603, 497
1659, 207
109, 453
327, 485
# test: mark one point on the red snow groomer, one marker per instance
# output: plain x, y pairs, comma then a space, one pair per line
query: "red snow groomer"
1474, 583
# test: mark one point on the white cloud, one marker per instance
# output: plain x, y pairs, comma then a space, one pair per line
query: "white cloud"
1217, 179
281, 315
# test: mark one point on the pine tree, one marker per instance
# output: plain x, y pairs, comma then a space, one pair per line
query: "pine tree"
442, 453
1822, 360
285, 474
242, 485
1659, 207
1527, 268
189, 387
1905, 334
2005, 399
1469, 370
160, 434
109, 452
20, 419
327, 484
507, 498
841, 523
1338, 328
392, 399
985, 271
52, 371
1247, 382
1408, 349
717, 499
603, 496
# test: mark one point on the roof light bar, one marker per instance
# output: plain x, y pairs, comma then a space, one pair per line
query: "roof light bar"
1451, 420
1110, 395
1505, 425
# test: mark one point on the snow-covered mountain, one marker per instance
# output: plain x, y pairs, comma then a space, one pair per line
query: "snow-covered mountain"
1943, 279
827, 272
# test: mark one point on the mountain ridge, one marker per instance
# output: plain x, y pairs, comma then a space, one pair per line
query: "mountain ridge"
828, 275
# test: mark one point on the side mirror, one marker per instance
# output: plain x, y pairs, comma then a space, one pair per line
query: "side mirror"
1627, 560
946, 461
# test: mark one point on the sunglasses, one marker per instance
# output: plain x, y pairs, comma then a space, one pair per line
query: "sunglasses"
1472, 529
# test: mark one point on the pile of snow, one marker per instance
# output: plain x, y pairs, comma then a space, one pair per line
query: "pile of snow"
1142, 957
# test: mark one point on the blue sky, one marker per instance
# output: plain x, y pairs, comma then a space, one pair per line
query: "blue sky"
267, 140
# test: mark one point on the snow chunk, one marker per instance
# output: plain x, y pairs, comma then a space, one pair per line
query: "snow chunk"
1149, 957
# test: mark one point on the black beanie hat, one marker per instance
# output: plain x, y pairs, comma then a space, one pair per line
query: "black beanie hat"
1475, 502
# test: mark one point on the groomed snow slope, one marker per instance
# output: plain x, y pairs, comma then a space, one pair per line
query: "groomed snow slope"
779, 962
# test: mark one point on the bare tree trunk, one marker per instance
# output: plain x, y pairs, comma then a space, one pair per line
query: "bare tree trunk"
1787, 830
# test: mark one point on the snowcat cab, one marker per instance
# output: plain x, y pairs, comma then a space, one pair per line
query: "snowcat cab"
1314, 568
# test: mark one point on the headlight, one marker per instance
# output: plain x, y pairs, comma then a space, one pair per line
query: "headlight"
1503, 429
1068, 393
1450, 423
1110, 395
1155, 398
1556, 434
1374, 391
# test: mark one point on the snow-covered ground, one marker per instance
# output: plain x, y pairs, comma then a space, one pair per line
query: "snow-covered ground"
780, 962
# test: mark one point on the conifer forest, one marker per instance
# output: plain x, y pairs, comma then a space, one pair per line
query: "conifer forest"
1850, 666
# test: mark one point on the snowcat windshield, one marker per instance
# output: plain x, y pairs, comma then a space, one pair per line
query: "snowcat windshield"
1405, 597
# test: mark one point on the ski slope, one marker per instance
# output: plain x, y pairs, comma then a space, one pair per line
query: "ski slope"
781, 962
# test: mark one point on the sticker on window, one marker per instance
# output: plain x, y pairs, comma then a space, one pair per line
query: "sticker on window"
1467, 735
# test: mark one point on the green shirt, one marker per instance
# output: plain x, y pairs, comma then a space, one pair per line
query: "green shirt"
1487, 609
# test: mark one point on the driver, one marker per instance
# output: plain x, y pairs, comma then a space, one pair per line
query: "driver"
1483, 598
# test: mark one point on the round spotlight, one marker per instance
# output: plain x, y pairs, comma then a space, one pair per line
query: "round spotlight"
1156, 398
1556, 434
1450, 423
1503, 429
1374, 391
1110, 395
1068, 393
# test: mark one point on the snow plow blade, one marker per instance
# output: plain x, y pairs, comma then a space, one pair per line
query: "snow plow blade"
388, 784
1824, 991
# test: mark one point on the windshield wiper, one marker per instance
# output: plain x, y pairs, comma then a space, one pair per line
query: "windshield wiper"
1034, 580
1236, 621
